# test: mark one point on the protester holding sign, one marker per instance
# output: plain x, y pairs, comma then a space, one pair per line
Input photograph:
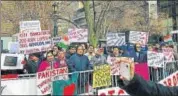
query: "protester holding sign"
137, 86
32, 64
49, 63
140, 56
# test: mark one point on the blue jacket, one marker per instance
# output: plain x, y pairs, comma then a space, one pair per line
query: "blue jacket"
78, 63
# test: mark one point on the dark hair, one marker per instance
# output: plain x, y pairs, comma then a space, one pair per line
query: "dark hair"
59, 48
84, 45
70, 47
79, 46
36, 55
90, 46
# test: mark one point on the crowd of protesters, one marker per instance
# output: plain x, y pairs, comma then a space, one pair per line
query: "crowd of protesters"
83, 57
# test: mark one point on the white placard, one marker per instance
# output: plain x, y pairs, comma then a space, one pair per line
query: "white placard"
171, 80
48, 76
155, 59
11, 61
115, 39
30, 26
138, 37
115, 91
32, 42
19, 87
168, 53
78, 35
56, 40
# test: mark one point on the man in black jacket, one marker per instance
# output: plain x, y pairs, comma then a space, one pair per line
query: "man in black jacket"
137, 86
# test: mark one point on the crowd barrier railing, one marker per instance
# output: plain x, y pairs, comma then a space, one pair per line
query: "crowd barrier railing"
84, 82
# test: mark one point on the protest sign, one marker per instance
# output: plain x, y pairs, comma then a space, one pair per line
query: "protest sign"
114, 91
168, 38
138, 37
155, 59
19, 87
168, 54
171, 80
56, 40
120, 66
115, 39
45, 78
11, 61
101, 76
142, 70
174, 32
32, 42
13, 47
78, 35
30, 26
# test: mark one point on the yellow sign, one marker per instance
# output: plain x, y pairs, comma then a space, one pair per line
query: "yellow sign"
101, 76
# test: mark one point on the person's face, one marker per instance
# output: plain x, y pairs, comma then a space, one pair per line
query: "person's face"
98, 52
72, 50
55, 50
116, 51
34, 58
61, 54
50, 57
91, 49
80, 50
150, 48
138, 47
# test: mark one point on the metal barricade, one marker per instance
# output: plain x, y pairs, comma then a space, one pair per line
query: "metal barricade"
159, 73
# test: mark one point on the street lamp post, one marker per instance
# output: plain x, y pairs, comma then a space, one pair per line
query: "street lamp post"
55, 18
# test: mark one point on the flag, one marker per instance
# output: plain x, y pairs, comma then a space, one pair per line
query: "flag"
66, 87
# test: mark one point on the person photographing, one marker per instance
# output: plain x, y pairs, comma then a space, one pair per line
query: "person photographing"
137, 86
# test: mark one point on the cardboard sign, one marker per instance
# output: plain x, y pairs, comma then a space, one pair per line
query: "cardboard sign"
45, 78
19, 87
101, 76
168, 53
11, 61
32, 42
138, 37
78, 35
115, 39
114, 91
171, 80
56, 40
30, 26
120, 66
155, 59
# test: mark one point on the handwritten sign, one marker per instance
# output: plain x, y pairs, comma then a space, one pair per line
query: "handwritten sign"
168, 53
45, 78
78, 35
171, 80
101, 76
114, 91
30, 26
32, 42
120, 66
138, 37
115, 39
155, 59
56, 40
